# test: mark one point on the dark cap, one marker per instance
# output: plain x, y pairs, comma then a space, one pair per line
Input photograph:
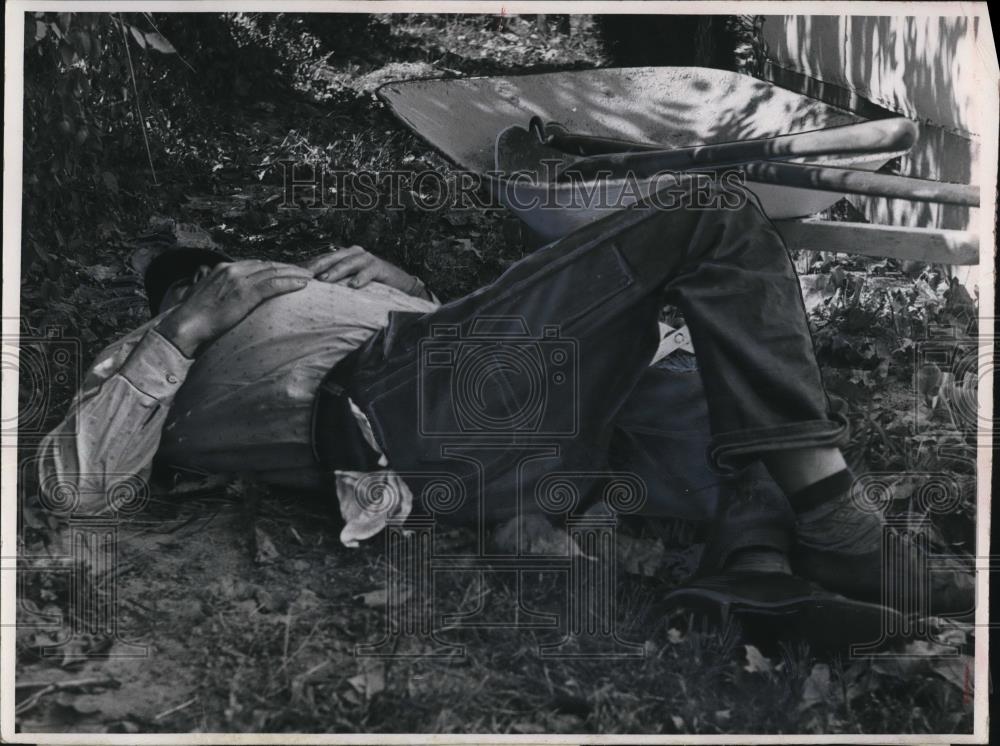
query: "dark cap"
172, 265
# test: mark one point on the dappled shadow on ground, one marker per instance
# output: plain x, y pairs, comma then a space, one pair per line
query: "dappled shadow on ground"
249, 611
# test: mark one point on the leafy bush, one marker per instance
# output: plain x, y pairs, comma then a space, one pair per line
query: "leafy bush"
85, 83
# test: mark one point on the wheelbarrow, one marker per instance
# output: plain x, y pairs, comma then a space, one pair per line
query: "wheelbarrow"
479, 123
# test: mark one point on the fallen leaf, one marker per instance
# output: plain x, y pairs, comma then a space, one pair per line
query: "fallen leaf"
816, 688
923, 656
380, 597
306, 600
139, 37
264, 550
351, 697
466, 245
43, 640
80, 704
928, 650
953, 633
756, 661
562, 723
100, 272
523, 726
816, 289
123, 726
896, 667
160, 44
369, 682
957, 671
265, 600
532, 534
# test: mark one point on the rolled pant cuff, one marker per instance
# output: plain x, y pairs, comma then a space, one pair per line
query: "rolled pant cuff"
731, 452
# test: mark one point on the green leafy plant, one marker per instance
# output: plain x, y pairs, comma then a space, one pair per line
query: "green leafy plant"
82, 91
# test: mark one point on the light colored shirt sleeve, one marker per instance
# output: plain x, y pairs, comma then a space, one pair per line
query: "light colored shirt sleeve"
101, 454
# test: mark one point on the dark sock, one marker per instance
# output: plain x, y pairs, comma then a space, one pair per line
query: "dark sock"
829, 520
817, 493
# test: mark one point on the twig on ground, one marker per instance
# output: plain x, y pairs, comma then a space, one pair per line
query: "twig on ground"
299, 649
59, 686
288, 631
178, 708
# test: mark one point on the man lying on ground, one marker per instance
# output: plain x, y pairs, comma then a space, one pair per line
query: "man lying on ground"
311, 377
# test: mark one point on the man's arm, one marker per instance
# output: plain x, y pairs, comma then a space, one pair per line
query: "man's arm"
113, 428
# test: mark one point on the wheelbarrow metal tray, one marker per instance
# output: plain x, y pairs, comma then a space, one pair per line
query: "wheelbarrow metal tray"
671, 106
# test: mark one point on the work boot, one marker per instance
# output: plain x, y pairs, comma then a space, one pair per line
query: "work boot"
745, 575
842, 544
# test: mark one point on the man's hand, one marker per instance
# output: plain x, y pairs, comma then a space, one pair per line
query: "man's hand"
224, 298
363, 267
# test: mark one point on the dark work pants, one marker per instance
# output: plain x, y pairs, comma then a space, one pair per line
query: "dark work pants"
529, 375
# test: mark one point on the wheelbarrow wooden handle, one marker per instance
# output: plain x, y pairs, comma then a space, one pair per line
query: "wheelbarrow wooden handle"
878, 136
804, 176
869, 239
854, 181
